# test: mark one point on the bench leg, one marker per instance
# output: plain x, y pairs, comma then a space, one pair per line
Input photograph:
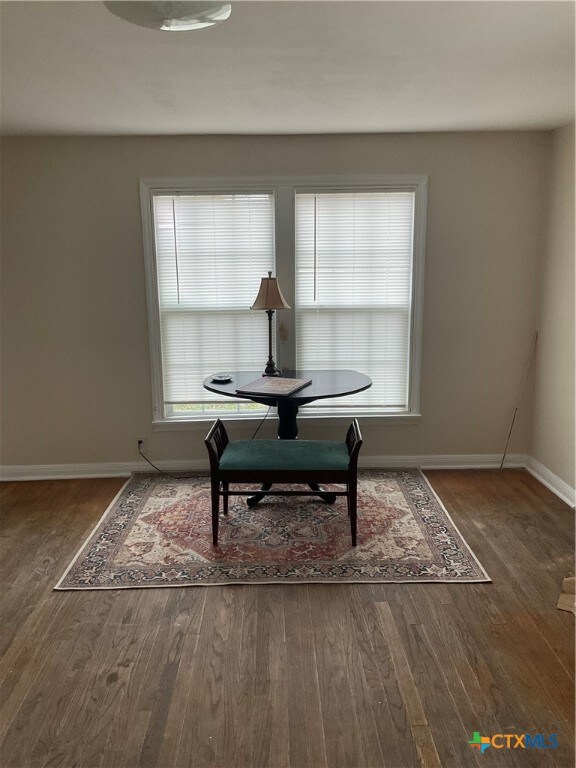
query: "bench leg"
352, 508
215, 498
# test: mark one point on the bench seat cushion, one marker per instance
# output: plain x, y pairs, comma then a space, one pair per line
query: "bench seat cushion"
284, 455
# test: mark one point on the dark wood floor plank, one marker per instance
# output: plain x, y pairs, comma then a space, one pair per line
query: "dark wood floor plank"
453, 661
122, 755
178, 723
270, 739
427, 752
407, 685
340, 723
106, 711
305, 723
518, 701
204, 724
239, 682
101, 706
69, 649
418, 672
384, 699
180, 623
361, 696
56, 700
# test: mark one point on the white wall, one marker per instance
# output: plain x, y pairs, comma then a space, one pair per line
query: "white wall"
552, 442
76, 376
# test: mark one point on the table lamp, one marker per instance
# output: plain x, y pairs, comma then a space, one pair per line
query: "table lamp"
270, 298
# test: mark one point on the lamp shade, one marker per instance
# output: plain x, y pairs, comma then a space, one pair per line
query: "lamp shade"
270, 295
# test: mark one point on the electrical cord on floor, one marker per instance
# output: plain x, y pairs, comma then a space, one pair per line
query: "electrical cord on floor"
262, 422
180, 477
161, 471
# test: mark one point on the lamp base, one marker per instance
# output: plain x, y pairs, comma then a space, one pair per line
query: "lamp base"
271, 369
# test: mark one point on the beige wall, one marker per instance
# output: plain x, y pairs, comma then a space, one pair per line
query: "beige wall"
553, 413
76, 376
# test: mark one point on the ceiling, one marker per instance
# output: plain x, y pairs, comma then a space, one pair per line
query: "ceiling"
297, 66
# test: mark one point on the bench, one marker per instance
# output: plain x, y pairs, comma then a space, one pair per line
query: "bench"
269, 462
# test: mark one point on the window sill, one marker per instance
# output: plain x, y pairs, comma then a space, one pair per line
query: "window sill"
192, 425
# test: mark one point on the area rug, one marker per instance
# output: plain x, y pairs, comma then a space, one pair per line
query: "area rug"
157, 533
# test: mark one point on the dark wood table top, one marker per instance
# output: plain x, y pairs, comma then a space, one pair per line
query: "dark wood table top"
325, 383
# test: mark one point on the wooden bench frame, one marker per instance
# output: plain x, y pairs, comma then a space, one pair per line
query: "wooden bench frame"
216, 441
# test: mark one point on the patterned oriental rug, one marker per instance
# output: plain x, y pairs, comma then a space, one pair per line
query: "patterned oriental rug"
157, 533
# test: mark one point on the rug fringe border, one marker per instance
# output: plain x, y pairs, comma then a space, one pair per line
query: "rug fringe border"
88, 539
449, 516
275, 582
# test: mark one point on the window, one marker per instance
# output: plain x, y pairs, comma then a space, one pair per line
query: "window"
211, 250
349, 256
354, 290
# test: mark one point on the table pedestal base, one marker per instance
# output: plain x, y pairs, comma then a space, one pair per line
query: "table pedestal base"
326, 496
287, 423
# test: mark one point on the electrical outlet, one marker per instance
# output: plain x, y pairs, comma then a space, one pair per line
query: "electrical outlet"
140, 444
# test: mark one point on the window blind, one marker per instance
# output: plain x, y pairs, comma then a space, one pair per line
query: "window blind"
354, 254
211, 252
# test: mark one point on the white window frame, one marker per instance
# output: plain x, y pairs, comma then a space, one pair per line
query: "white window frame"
285, 189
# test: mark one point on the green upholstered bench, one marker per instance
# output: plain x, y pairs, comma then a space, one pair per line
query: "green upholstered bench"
281, 461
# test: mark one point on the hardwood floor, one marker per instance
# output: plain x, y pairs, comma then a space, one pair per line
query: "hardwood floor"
385, 676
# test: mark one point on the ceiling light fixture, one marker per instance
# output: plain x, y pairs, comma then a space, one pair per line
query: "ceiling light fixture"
176, 16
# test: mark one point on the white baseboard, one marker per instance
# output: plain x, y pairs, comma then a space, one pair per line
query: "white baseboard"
78, 471
450, 461
470, 461
125, 469
551, 481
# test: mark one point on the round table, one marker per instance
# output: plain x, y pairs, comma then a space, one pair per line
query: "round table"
325, 384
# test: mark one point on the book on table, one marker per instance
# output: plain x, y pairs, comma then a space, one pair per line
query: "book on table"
273, 385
